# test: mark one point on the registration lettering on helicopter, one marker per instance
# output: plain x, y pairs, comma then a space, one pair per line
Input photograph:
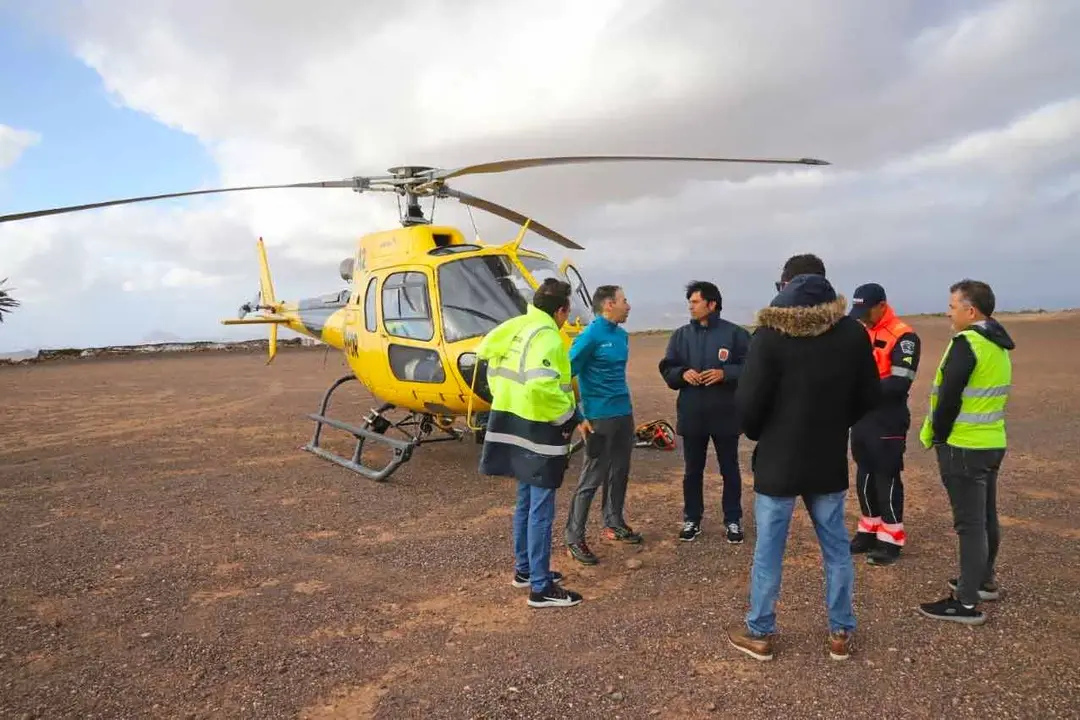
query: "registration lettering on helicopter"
350, 342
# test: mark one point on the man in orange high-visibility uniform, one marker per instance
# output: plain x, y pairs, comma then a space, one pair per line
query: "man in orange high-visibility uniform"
879, 439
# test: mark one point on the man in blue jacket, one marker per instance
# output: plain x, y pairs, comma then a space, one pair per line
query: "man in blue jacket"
703, 362
598, 359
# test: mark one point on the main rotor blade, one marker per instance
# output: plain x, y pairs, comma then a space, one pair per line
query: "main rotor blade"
73, 208
511, 215
504, 165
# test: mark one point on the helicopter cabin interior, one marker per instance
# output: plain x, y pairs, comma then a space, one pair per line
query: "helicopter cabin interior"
425, 292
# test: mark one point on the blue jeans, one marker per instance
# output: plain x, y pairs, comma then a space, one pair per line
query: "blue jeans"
533, 517
772, 518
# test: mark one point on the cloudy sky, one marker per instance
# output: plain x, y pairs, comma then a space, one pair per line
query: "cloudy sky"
953, 127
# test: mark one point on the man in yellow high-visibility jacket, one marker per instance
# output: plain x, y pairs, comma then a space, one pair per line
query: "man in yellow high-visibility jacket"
966, 428
528, 435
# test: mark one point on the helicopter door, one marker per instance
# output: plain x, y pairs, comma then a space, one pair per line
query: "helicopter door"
411, 344
364, 348
580, 297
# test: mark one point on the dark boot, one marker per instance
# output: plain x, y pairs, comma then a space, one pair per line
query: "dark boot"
863, 542
884, 554
582, 553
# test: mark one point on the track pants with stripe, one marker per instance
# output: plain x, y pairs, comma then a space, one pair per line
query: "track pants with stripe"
879, 461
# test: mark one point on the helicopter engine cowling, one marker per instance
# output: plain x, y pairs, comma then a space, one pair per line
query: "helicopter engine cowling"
346, 267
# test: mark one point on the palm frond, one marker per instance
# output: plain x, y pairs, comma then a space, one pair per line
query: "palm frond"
7, 303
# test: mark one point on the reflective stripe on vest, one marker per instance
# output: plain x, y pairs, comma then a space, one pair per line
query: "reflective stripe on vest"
518, 417
523, 375
538, 448
981, 421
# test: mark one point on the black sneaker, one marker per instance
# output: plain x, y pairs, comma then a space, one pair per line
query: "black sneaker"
884, 554
581, 553
521, 579
690, 531
863, 542
734, 533
952, 609
554, 596
987, 591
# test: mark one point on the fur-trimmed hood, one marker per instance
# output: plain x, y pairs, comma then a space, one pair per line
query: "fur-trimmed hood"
806, 307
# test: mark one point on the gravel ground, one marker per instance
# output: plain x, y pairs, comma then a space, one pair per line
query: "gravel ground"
167, 551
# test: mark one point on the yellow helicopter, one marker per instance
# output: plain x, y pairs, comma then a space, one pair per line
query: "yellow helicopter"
419, 300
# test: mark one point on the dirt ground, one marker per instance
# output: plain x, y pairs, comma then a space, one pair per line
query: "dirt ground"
166, 550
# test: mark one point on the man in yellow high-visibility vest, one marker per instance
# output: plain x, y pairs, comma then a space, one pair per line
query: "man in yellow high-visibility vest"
966, 428
533, 415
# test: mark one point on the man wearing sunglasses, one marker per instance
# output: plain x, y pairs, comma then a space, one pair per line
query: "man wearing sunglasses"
808, 377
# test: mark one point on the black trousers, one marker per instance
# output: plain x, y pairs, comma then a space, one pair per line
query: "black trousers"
695, 450
879, 461
608, 451
970, 479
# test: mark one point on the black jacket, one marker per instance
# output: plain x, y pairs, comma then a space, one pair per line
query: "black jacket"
955, 371
809, 376
717, 344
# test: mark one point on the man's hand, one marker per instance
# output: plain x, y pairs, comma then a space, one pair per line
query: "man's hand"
692, 376
585, 427
711, 377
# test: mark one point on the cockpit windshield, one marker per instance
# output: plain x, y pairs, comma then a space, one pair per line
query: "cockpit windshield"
478, 293
580, 304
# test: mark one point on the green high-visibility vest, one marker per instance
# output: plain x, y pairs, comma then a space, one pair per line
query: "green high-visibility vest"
530, 381
981, 422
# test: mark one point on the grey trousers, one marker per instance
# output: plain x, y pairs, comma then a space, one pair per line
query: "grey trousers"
970, 479
607, 465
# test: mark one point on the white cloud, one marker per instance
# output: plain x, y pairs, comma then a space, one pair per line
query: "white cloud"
13, 143
166, 275
1047, 135
952, 127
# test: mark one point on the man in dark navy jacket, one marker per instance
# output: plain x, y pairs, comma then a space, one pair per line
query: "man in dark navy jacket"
703, 362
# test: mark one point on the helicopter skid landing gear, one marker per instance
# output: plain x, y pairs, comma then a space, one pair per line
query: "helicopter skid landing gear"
374, 428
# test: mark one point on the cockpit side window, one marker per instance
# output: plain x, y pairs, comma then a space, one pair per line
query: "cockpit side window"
369, 306
580, 303
406, 306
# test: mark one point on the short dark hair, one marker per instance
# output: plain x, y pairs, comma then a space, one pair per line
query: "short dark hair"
804, 264
602, 294
709, 292
977, 293
552, 296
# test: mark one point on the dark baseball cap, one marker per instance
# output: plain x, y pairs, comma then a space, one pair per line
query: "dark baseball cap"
865, 297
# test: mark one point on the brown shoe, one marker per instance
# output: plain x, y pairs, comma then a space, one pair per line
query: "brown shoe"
759, 647
840, 644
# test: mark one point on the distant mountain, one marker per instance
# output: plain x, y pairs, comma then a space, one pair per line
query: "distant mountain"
18, 355
160, 336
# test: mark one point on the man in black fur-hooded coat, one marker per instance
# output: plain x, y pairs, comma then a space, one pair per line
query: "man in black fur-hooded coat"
808, 377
